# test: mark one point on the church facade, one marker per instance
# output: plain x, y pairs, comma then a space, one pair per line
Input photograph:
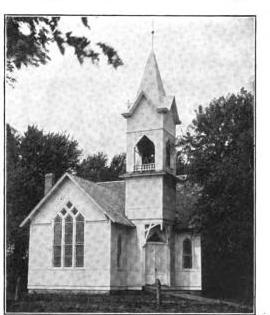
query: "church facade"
119, 235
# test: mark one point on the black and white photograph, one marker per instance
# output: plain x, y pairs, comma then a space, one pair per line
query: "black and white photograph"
129, 163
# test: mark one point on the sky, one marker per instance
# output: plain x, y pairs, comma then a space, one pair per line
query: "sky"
199, 58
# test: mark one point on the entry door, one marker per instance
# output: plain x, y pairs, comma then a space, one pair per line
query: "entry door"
156, 263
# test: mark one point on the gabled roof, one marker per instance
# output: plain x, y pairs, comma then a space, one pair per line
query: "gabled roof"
132, 108
118, 188
168, 103
107, 200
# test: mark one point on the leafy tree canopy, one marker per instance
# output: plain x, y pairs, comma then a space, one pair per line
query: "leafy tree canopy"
29, 39
219, 153
96, 167
29, 158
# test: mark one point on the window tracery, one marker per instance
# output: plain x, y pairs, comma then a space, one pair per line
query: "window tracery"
68, 244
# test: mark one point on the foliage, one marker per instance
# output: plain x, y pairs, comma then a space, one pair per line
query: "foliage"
117, 166
220, 156
29, 158
95, 167
187, 194
29, 39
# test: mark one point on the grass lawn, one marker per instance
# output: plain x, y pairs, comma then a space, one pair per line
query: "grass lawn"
137, 301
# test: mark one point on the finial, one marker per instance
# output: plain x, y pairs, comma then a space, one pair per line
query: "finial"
153, 32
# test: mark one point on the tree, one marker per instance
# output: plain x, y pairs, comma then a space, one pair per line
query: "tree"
220, 155
29, 39
117, 166
29, 158
96, 168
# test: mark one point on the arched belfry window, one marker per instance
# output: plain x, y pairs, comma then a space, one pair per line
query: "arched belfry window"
68, 243
144, 155
187, 254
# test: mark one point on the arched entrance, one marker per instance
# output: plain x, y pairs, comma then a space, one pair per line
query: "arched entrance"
157, 257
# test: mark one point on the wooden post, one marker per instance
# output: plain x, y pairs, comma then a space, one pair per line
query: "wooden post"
158, 292
17, 289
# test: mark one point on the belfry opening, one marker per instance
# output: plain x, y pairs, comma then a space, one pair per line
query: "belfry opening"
144, 155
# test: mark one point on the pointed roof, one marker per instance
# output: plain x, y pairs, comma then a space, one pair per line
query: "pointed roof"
151, 82
109, 199
152, 89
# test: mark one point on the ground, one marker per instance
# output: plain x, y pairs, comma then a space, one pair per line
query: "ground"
118, 302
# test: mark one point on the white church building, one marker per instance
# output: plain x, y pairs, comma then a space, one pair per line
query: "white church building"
119, 235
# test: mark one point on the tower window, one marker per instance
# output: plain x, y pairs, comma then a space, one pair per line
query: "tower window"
187, 254
119, 251
168, 154
68, 244
144, 154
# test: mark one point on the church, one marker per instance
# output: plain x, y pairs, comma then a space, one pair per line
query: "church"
119, 235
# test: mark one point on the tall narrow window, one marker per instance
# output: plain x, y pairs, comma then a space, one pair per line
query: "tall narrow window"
187, 254
168, 154
68, 241
57, 241
79, 247
119, 251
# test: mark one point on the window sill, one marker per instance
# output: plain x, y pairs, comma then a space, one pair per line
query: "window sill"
67, 268
188, 269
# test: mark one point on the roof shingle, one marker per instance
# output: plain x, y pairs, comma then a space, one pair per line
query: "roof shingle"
109, 195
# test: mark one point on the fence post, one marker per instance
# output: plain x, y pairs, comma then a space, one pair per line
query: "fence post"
158, 292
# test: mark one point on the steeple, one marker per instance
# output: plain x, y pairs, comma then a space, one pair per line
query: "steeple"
151, 82
151, 89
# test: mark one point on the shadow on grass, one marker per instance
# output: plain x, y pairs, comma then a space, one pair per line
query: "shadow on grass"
124, 301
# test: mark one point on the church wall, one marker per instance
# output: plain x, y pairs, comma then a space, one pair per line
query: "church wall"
122, 276
169, 198
118, 273
144, 197
145, 117
96, 271
169, 137
168, 123
95, 275
188, 279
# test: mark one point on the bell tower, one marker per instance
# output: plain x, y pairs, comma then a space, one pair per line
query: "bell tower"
151, 157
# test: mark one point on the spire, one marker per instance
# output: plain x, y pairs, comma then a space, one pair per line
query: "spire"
151, 82
153, 32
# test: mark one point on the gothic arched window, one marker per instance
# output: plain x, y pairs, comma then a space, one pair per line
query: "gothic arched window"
57, 241
144, 155
68, 244
119, 250
187, 254
79, 240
